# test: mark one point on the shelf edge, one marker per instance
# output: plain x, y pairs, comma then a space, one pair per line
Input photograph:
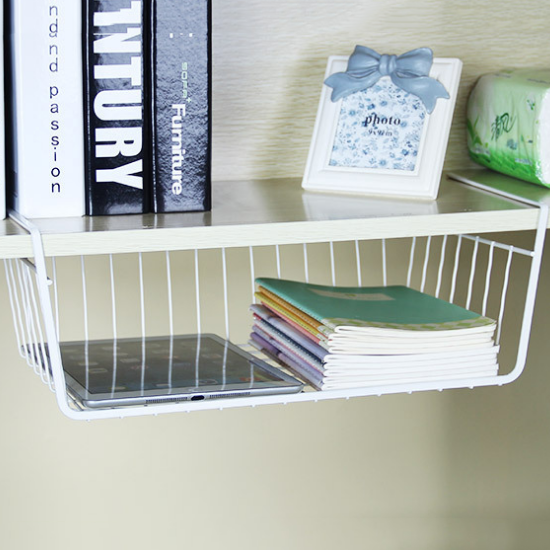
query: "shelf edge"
153, 240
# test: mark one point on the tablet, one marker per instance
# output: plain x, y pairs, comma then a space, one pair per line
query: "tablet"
144, 371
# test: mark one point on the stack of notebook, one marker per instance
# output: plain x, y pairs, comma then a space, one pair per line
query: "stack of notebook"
349, 337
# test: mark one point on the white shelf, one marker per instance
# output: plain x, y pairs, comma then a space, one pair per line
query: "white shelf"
279, 212
268, 212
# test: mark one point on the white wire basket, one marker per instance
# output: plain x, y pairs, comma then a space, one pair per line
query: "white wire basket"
197, 291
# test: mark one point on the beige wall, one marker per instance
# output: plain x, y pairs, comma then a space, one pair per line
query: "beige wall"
270, 57
463, 469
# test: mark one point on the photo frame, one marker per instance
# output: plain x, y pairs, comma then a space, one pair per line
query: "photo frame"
382, 140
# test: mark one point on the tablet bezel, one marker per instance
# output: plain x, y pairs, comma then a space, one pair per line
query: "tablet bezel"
284, 383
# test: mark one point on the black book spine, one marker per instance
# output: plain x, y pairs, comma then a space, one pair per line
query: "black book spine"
115, 100
181, 117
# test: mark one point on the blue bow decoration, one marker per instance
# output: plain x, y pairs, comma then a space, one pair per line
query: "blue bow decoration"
409, 71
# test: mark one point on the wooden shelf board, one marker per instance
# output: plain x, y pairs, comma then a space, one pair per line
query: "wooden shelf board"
267, 212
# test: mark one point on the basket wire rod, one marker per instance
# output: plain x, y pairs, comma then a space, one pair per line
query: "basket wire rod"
504, 292
532, 283
472, 273
141, 293
224, 367
171, 352
29, 338
40, 348
86, 333
426, 262
32, 338
20, 301
113, 296
170, 317
169, 289
197, 291
252, 273
41, 368
142, 306
306, 263
171, 361
15, 306
502, 246
84, 297
411, 261
11, 297
55, 294
358, 262
115, 364
197, 358
384, 264
225, 293
142, 380
488, 278
332, 263
441, 264
278, 259
114, 317
455, 269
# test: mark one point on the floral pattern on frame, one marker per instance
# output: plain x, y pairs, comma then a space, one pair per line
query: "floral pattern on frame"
379, 128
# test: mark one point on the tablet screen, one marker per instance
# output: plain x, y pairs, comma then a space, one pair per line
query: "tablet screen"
164, 366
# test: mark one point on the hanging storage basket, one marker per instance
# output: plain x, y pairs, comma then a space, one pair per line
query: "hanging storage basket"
195, 291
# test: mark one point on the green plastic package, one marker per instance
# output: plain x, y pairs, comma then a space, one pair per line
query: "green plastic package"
508, 123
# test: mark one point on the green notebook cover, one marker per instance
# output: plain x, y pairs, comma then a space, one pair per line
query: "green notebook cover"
397, 307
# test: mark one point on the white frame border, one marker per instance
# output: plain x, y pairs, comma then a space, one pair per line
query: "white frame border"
423, 183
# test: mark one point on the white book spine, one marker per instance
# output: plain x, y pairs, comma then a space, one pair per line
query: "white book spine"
48, 161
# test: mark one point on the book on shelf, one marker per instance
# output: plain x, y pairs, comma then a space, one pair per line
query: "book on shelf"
181, 90
45, 156
348, 337
116, 100
82, 79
